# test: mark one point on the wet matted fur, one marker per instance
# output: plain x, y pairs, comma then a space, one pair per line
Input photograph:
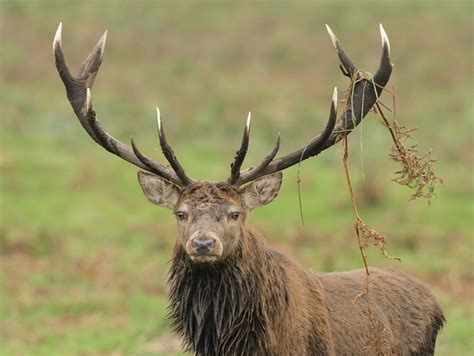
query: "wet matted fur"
260, 302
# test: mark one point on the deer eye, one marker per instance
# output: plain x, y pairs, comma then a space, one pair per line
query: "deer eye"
234, 215
181, 215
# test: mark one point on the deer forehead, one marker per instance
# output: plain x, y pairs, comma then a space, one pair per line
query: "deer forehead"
207, 196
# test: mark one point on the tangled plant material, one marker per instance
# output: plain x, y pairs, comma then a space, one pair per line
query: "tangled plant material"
368, 236
416, 171
376, 339
365, 235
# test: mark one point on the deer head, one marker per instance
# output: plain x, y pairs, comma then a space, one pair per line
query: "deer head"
212, 215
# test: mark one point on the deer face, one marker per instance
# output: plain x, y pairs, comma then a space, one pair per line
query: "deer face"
211, 217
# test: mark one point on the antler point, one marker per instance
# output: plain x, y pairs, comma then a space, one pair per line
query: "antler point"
57, 36
384, 37
332, 36
158, 120
102, 40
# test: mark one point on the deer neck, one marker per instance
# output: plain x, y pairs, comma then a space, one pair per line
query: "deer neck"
210, 303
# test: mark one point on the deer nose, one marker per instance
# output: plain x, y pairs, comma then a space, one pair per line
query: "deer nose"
203, 246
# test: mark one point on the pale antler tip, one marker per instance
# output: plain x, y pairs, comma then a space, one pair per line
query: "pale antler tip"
332, 36
158, 119
384, 37
249, 118
103, 39
101, 43
57, 36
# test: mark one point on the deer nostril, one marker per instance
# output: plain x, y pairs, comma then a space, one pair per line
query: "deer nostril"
203, 246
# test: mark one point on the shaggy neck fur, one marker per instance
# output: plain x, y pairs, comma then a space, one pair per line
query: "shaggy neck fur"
225, 308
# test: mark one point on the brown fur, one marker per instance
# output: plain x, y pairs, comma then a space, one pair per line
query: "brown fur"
407, 312
252, 303
256, 301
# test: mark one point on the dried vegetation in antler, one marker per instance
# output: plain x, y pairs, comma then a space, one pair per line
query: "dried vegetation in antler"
232, 295
417, 170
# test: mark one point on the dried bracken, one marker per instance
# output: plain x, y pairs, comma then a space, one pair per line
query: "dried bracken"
365, 235
368, 236
416, 171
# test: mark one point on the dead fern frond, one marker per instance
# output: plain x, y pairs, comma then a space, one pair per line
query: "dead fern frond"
417, 170
368, 236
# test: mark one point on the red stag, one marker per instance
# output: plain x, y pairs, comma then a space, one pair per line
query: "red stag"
232, 295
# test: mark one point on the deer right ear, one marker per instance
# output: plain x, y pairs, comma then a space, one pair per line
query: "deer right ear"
262, 191
158, 190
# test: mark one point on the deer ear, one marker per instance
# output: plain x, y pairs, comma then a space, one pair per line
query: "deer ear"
262, 191
158, 190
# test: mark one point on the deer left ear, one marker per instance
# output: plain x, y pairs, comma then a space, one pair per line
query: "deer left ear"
262, 191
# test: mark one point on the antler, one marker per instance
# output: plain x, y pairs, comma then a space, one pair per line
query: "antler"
364, 94
79, 95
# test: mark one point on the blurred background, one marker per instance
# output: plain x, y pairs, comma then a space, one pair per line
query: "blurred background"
84, 255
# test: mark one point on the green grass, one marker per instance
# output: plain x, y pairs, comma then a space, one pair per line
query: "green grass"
84, 256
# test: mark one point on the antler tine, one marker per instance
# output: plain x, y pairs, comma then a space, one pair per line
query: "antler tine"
241, 153
348, 68
76, 87
365, 93
382, 75
254, 173
304, 152
169, 154
78, 93
153, 167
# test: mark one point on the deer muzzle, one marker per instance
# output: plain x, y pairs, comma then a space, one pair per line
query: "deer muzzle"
204, 247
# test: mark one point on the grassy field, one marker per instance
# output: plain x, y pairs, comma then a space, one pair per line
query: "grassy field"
84, 256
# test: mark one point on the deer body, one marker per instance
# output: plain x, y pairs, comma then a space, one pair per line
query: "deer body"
322, 318
259, 302
407, 315
229, 293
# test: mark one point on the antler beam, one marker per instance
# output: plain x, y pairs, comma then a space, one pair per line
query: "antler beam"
79, 95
